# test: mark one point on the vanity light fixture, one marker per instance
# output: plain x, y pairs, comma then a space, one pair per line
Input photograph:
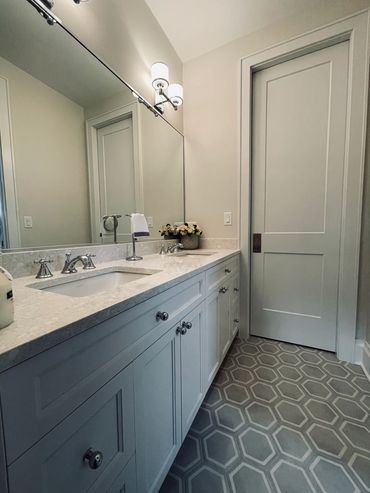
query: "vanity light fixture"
161, 84
80, 1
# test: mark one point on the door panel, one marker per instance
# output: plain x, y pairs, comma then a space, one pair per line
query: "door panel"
299, 132
117, 171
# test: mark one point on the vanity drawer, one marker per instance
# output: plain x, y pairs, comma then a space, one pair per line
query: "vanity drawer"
221, 273
104, 423
57, 381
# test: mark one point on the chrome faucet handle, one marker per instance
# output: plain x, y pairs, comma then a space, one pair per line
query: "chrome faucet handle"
67, 261
44, 270
89, 264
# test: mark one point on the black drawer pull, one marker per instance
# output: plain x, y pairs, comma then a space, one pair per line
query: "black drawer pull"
94, 458
236, 320
162, 316
228, 271
236, 290
181, 330
223, 290
187, 325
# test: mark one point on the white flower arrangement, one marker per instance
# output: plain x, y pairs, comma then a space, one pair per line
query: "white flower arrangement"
188, 229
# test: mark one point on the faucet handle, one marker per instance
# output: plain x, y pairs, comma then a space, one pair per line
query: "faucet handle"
44, 270
89, 264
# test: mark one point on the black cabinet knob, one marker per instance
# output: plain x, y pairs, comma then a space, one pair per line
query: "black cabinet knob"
94, 458
162, 316
236, 290
227, 271
181, 330
187, 325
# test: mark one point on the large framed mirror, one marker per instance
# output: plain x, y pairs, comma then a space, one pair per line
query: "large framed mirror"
75, 143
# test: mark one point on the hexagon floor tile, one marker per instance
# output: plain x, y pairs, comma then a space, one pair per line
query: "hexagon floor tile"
279, 418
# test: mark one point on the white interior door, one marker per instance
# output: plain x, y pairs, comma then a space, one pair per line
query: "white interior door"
299, 132
117, 173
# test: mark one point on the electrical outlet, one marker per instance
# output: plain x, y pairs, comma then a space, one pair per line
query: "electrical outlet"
228, 218
150, 221
27, 222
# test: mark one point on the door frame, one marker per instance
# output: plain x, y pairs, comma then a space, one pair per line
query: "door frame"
355, 30
92, 126
8, 165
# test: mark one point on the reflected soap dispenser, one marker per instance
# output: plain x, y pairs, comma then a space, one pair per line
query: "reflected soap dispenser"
6, 299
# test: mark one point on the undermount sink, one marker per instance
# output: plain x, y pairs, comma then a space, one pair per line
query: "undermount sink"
92, 283
194, 253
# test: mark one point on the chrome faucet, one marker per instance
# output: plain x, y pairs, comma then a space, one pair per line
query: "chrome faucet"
175, 248
70, 264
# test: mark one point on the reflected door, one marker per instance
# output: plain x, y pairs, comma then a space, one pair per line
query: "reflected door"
116, 174
299, 131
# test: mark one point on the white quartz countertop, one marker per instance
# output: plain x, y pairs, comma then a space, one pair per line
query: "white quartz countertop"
44, 319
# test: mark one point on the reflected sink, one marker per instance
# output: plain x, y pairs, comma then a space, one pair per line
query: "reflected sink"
92, 283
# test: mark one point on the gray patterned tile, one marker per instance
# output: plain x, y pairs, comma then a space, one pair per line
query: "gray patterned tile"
279, 418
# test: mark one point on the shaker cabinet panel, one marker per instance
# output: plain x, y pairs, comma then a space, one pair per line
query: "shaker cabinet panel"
86, 450
157, 384
211, 343
191, 367
224, 319
126, 480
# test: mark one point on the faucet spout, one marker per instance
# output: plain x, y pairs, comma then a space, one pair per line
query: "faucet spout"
70, 264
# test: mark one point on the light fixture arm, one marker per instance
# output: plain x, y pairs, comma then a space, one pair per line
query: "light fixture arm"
167, 100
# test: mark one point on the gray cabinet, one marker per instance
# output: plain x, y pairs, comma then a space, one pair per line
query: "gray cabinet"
157, 381
168, 393
129, 388
86, 450
192, 388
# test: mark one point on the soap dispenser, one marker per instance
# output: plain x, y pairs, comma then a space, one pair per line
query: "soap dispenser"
6, 299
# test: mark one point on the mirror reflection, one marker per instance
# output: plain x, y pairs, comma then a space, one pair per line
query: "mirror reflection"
76, 145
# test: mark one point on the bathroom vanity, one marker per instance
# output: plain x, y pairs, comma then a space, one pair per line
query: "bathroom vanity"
98, 392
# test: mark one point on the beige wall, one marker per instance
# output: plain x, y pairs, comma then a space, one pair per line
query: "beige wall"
212, 126
125, 35
162, 157
51, 178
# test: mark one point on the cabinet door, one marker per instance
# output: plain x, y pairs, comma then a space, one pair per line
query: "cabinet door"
157, 410
191, 367
126, 481
211, 340
103, 426
224, 319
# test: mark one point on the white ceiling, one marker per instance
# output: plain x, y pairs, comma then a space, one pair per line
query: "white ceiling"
195, 27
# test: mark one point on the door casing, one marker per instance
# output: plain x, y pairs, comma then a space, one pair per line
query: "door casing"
355, 29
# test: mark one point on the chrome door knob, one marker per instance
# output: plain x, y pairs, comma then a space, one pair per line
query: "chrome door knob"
162, 316
94, 458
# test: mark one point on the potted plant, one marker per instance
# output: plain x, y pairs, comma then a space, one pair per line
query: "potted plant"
168, 232
189, 234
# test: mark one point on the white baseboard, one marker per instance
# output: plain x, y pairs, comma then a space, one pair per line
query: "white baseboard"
362, 356
365, 363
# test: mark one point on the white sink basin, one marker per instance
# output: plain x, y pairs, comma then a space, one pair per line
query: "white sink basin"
194, 253
92, 283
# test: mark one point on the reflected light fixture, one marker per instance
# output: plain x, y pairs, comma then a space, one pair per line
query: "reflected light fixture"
80, 1
161, 84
